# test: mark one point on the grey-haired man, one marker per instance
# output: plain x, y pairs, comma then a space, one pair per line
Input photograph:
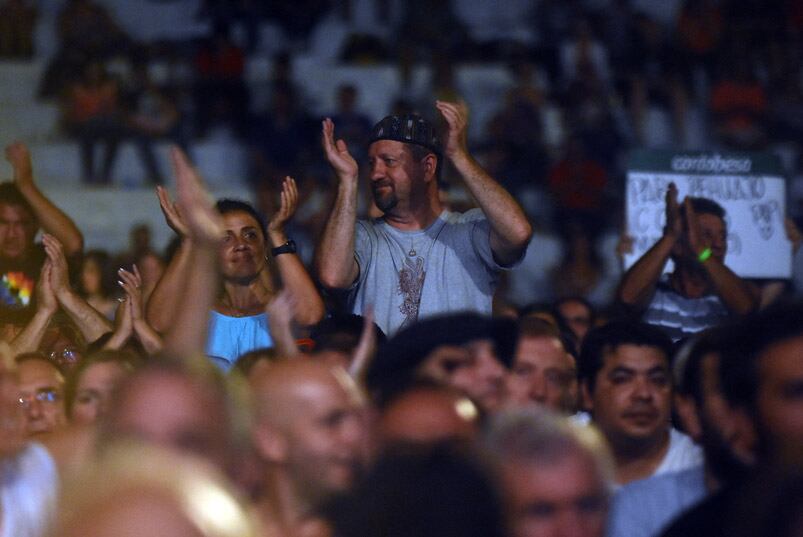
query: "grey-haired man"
417, 259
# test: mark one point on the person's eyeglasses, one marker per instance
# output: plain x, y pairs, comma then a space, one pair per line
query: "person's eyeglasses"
68, 356
49, 396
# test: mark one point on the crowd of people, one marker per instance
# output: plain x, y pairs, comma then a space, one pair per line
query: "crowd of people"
400, 379
239, 391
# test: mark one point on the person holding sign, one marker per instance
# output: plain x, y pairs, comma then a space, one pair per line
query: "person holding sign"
701, 291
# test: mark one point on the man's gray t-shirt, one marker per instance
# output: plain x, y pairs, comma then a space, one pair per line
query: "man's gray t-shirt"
409, 275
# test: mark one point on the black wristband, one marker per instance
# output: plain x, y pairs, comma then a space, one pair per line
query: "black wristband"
287, 248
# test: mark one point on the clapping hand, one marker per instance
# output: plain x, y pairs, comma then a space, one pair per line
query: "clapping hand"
337, 153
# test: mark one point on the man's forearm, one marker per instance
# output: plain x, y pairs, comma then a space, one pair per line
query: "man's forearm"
53, 220
30, 337
88, 320
638, 283
510, 229
334, 259
735, 292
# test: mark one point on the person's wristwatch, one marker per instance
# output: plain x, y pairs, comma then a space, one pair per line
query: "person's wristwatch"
287, 248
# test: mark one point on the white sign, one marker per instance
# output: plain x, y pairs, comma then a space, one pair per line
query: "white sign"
754, 207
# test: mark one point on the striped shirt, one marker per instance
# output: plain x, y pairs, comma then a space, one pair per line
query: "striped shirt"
679, 316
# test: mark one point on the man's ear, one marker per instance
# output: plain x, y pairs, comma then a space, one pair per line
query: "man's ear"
269, 443
586, 399
686, 409
430, 163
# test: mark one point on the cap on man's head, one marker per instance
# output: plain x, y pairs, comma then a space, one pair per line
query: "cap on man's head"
408, 129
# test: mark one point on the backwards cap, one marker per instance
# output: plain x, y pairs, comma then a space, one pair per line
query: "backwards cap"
409, 129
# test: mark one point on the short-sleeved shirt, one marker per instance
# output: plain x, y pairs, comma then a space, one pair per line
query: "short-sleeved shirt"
18, 279
29, 485
231, 337
409, 275
645, 507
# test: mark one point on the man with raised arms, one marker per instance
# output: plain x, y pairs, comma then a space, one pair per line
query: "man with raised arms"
417, 259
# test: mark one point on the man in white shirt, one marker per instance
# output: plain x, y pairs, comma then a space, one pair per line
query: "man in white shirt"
627, 388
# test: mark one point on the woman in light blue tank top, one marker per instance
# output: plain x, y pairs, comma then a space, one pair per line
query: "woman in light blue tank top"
249, 275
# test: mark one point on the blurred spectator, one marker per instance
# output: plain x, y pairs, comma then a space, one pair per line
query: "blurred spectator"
699, 31
234, 15
429, 29
589, 114
556, 475
581, 272
553, 20
90, 387
577, 184
530, 281
544, 372
41, 394
515, 135
576, 314
582, 50
151, 115
92, 114
95, 282
654, 77
297, 18
436, 492
739, 106
87, 27
222, 96
17, 22
282, 137
786, 109
87, 33
353, 126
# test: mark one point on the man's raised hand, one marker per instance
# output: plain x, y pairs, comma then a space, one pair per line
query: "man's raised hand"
456, 116
19, 157
674, 225
59, 273
337, 153
45, 297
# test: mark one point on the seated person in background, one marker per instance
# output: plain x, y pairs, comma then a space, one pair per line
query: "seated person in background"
238, 320
136, 489
89, 387
627, 387
426, 413
701, 291
41, 394
310, 435
543, 371
24, 210
94, 282
577, 315
17, 24
427, 491
93, 116
335, 338
643, 508
555, 475
466, 351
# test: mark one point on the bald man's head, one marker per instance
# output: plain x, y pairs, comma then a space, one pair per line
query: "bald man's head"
310, 429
